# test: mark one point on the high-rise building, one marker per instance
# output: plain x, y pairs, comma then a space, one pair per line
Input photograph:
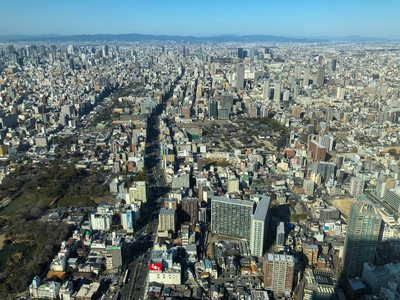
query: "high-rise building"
100, 221
223, 113
240, 76
340, 93
266, 90
277, 91
392, 197
259, 226
138, 192
310, 251
233, 185
333, 65
356, 186
226, 102
190, 210
297, 72
321, 76
308, 186
327, 140
380, 188
240, 53
375, 276
362, 236
306, 78
128, 220
105, 51
317, 150
278, 273
212, 109
280, 234
167, 220
325, 169
231, 217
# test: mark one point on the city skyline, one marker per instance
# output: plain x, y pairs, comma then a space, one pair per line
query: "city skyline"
288, 18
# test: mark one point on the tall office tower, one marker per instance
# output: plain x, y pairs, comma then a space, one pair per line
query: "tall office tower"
226, 102
240, 53
321, 76
42, 50
240, 76
306, 78
105, 51
213, 109
277, 91
266, 90
231, 217
333, 66
280, 234
296, 91
362, 236
340, 93
320, 60
190, 210
260, 226
356, 186
71, 49
278, 273
297, 72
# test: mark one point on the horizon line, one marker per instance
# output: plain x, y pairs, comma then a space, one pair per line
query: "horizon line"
208, 35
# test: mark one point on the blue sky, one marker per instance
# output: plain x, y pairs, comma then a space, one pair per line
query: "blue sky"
292, 18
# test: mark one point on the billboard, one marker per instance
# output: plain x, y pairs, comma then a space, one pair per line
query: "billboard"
155, 267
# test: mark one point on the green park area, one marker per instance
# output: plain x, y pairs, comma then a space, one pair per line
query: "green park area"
26, 245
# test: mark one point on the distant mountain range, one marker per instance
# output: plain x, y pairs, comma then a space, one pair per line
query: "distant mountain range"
134, 37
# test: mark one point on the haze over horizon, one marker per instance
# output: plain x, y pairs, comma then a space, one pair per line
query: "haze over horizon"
202, 18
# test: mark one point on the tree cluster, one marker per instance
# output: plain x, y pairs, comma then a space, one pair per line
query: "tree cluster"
42, 242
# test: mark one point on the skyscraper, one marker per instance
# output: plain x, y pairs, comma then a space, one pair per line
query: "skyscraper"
212, 109
277, 91
190, 210
341, 92
297, 72
362, 236
321, 76
231, 217
259, 226
280, 234
278, 273
266, 90
306, 78
240, 52
333, 66
240, 76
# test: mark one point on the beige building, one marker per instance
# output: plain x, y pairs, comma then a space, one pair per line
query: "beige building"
138, 192
167, 220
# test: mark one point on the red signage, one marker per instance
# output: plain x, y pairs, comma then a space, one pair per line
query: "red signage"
155, 267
